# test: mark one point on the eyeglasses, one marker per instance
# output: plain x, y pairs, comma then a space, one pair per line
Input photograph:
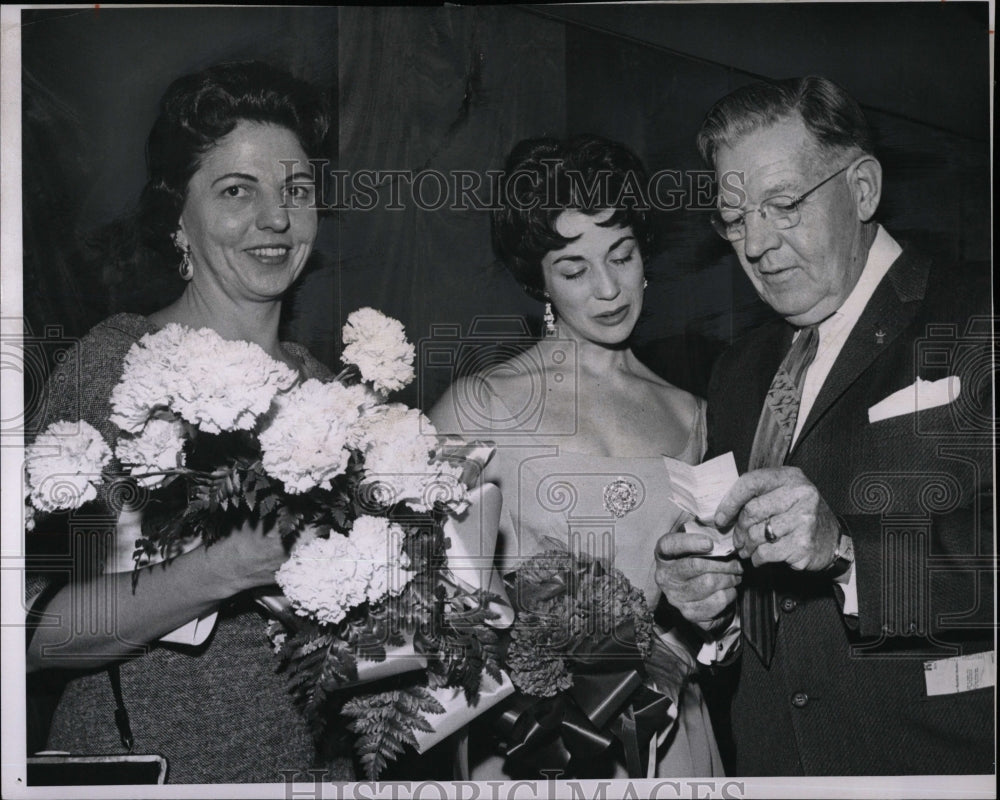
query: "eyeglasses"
782, 211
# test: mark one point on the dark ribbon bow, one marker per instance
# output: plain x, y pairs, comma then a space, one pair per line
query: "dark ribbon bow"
607, 701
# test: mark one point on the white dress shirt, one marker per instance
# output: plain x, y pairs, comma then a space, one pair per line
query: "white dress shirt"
833, 333
834, 330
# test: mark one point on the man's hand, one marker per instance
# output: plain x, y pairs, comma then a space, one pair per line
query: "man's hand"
703, 590
805, 528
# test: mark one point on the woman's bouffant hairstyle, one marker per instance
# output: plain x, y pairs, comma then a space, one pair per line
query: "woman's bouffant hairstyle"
199, 109
542, 178
829, 113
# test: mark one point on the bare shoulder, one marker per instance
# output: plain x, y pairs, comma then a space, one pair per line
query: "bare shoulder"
446, 413
672, 417
666, 392
679, 398
472, 404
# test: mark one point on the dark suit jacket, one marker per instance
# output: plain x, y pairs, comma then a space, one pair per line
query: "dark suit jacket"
848, 696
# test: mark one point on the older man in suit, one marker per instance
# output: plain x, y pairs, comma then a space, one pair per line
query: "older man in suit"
859, 611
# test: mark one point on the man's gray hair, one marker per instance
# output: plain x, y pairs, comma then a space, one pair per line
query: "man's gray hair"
830, 114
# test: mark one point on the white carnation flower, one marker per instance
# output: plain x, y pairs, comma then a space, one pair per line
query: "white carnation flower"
377, 345
374, 423
305, 444
150, 366
380, 541
64, 465
159, 447
398, 466
325, 578
216, 384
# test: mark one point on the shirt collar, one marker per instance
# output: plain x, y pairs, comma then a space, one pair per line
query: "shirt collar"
881, 255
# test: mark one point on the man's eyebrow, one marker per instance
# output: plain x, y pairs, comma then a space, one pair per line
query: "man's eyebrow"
783, 188
308, 177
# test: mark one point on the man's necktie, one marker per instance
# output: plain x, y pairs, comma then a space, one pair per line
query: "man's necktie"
759, 610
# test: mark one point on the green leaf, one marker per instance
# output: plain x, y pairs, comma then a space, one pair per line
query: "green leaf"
384, 722
288, 521
268, 503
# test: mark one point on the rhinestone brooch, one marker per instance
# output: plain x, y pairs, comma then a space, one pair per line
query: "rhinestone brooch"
620, 497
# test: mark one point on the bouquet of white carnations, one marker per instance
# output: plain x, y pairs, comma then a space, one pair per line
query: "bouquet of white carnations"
216, 433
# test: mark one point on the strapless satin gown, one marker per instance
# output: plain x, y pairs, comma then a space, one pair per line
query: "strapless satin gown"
550, 493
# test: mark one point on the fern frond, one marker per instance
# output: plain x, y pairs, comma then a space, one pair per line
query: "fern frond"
384, 723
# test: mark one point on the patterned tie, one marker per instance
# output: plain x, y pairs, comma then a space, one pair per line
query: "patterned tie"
771, 444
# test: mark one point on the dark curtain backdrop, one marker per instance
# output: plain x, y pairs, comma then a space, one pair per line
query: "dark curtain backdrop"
430, 90
441, 89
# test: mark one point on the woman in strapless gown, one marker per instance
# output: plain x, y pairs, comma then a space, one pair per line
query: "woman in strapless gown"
581, 426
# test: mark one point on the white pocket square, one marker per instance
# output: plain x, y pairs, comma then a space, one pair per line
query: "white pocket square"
917, 397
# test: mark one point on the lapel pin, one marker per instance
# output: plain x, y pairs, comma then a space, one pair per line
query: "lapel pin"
879, 336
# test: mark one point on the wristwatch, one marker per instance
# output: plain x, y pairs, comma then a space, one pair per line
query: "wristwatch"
843, 556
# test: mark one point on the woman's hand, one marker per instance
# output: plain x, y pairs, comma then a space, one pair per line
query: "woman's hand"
248, 557
165, 597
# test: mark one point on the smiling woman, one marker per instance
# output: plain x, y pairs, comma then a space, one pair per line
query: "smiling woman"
230, 187
246, 228
185, 651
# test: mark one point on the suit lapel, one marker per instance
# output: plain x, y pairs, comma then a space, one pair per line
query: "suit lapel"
888, 313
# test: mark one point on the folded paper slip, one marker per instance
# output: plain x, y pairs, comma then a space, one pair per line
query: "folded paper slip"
700, 488
918, 396
457, 712
722, 543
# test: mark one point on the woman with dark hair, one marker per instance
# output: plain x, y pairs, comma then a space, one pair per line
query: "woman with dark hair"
581, 424
232, 196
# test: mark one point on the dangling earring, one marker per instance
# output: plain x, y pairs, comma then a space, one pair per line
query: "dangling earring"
185, 269
645, 283
550, 320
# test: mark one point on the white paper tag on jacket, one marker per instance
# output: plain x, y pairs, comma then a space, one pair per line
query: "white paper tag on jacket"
961, 673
